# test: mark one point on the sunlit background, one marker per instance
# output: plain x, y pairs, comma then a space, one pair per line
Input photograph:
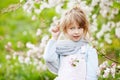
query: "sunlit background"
24, 32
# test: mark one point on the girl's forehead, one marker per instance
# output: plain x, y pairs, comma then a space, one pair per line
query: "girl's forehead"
73, 24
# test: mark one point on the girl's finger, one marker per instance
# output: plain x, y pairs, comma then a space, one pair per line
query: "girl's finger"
55, 29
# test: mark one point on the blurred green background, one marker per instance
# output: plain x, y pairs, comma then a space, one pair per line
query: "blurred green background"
16, 29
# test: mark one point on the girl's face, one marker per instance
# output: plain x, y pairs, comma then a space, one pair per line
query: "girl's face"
74, 32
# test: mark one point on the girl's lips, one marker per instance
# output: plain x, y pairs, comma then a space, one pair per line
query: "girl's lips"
76, 36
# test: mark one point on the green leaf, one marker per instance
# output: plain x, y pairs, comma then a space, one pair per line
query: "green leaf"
116, 4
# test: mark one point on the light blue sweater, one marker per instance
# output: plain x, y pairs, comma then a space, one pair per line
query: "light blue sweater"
53, 59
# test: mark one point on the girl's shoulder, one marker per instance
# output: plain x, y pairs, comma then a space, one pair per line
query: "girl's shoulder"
90, 48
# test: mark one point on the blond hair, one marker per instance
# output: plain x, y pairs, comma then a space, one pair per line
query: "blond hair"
74, 15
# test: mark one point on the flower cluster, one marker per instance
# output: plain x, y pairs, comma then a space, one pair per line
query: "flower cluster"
107, 70
32, 56
104, 9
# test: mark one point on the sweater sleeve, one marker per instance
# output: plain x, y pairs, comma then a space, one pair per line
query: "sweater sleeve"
51, 57
92, 64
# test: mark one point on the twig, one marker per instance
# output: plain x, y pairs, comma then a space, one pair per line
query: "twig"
103, 54
10, 8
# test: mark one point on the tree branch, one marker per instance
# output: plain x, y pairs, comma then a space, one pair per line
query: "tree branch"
102, 52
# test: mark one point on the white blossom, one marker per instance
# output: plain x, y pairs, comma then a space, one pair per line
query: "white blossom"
39, 31
117, 32
94, 3
34, 18
53, 3
35, 61
103, 65
44, 5
27, 60
95, 42
106, 73
70, 4
38, 1
29, 53
118, 66
45, 38
99, 34
28, 6
21, 59
105, 8
101, 45
44, 67
59, 9
8, 57
113, 69
94, 16
111, 24
37, 11
107, 38
93, 26
105, 28
118, 24
55, 18
29, 45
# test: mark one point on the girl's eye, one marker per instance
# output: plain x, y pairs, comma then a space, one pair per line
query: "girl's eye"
80, 27
72, 28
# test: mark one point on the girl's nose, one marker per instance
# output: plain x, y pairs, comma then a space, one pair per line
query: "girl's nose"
76, 31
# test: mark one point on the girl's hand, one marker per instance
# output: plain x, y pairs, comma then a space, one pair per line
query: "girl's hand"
55, 32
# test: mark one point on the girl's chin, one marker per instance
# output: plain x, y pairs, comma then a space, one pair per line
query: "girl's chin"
76, 39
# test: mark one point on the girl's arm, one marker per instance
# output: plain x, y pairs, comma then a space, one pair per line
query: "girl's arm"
51, 57
92, 64
50, 54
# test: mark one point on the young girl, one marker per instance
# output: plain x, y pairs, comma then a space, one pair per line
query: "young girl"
72, 58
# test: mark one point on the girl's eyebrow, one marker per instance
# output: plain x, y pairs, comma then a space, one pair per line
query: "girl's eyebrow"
81, 26
71, 26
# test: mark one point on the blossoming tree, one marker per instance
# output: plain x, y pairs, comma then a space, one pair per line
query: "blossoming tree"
103, 23
104, 17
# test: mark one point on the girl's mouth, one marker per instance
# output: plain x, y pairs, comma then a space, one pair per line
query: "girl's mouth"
76, 37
